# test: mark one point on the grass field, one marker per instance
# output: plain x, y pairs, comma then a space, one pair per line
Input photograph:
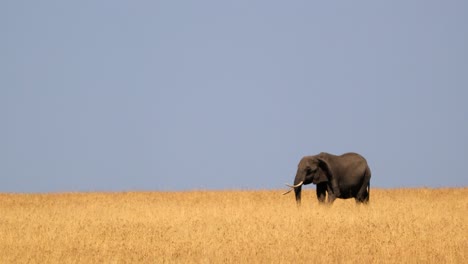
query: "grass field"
398, 226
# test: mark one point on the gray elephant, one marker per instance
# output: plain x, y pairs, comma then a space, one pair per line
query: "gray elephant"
345, 176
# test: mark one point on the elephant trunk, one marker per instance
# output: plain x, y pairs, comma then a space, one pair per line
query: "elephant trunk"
297, 191
298, 182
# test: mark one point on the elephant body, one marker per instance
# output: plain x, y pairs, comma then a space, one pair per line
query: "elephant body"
345, 176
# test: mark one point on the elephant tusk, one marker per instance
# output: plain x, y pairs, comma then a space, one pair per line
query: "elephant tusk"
292, 187
295, 186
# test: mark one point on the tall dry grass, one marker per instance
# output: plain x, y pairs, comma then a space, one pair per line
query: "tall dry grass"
398, 226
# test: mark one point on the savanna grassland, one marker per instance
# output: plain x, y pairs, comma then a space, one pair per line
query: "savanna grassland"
398, 226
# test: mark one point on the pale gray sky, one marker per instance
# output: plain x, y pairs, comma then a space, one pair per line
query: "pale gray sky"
171, 95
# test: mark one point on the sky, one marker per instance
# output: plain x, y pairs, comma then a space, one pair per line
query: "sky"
219, 95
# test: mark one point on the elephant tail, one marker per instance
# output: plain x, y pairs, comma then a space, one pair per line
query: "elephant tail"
368, 191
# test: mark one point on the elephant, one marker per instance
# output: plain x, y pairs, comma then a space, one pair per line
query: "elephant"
345, 176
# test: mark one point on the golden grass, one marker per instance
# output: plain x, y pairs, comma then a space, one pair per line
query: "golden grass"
398, 226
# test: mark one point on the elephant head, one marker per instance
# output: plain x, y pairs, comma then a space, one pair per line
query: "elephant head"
311, 169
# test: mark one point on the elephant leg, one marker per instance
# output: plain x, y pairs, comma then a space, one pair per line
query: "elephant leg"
334, 188
363, 194
331, 194
362, 198
321, 192
367, 193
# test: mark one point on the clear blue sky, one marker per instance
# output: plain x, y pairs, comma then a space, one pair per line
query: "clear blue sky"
180, 95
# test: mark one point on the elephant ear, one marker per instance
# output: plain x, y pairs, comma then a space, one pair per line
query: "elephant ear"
324, 170
320, 176
326, 167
